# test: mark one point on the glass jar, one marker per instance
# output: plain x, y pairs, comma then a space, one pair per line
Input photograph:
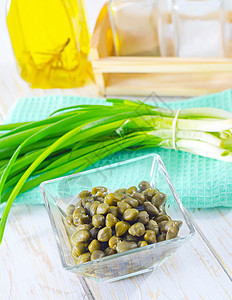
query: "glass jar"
50, 40
199, 28
134, 26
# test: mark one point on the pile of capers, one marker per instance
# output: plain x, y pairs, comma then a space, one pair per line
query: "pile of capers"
106, 223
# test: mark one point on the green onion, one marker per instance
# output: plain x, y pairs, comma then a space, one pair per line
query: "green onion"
74, 138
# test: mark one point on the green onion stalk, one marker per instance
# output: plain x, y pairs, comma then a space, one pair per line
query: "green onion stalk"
73, 138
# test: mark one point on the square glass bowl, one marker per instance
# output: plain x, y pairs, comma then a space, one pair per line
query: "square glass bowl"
61, 192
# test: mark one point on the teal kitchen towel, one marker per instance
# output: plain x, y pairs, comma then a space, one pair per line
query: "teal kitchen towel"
200, 182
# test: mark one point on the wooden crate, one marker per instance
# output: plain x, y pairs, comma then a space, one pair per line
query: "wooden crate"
141, 76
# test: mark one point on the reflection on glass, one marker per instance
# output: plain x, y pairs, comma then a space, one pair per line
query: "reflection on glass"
165, 28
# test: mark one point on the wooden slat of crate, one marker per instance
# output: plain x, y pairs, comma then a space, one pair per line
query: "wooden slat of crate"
166, 84
118, 64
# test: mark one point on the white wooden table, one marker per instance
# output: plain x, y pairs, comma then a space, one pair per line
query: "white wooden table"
30, 266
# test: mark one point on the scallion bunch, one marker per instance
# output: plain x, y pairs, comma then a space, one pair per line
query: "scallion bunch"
74, 138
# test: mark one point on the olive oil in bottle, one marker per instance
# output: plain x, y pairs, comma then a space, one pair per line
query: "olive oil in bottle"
50, 40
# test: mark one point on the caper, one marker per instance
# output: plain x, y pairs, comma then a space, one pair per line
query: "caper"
100, 199
130, 215
151, 193
79, 210
108, 251
93, 232
113, 210
99, 194
100, 189
140, 197
76, 218
113, 241
69, 221
80, 236
169, 224
143, 185
86, 203
98, 220
161, 217
131, 201
144, 192
87, 207
93, 208
76, 221
161, 237
178, 223
131, 190
70, 209
102, 208
152, 225
150, 209
120, 195
111, 220
83, 258
161, 224
172, 233
78, 249
112, 199
124, 196
87, 199
142, 243
81, 218
84, 226
171, 228
130, 238
150, 236
97, 254
120, 191
125, 246
84, 218
121, 228
137, 229
94, 245
122, 206
104, 234
143, 217
159, 199
84, 194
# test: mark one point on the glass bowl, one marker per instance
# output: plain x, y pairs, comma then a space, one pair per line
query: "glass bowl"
59, 193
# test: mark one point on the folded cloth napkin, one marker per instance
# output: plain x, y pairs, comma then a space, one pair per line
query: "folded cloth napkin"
200, 182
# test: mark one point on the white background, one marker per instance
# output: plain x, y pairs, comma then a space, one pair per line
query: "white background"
6, 54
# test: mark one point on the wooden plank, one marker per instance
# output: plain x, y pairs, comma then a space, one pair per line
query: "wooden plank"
30, 267
114, 64
191, 273
98, 76
216, 227
166, 84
